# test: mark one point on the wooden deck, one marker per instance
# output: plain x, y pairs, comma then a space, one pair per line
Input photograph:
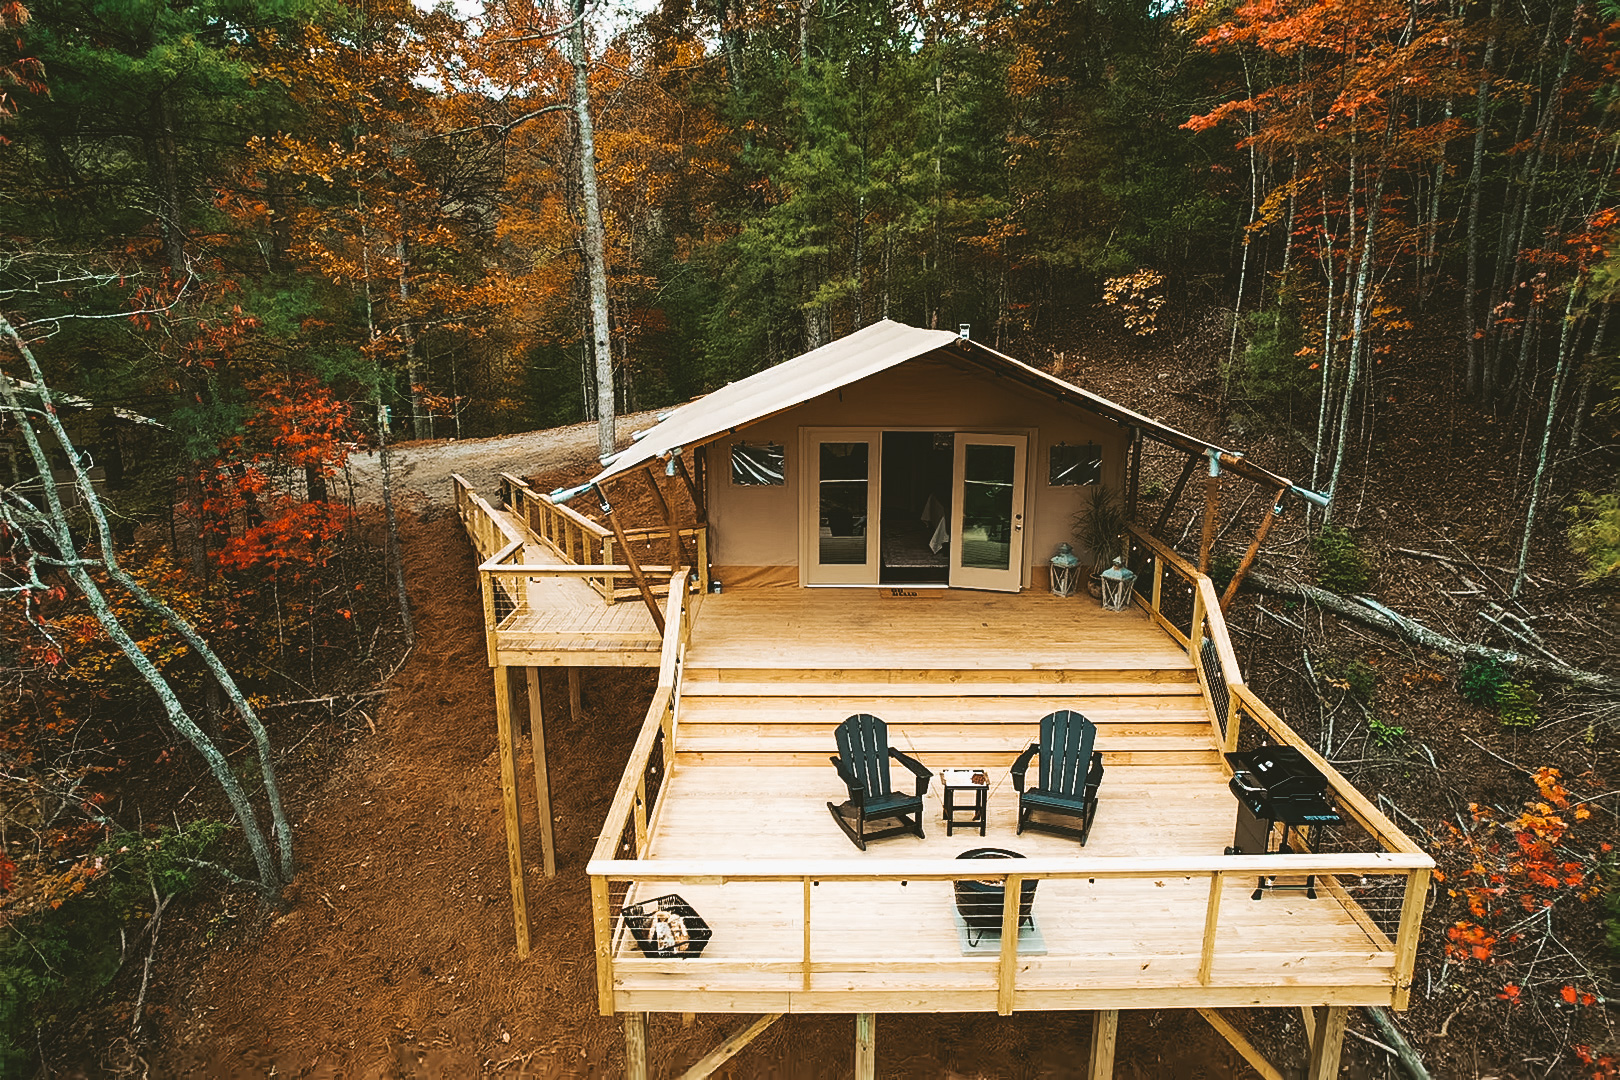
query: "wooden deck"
739, 824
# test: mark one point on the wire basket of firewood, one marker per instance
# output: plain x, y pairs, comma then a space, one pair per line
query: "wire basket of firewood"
666, 927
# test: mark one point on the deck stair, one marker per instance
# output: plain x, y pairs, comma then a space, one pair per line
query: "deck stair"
736, 707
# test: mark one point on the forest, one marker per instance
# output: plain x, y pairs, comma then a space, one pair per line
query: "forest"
245, 244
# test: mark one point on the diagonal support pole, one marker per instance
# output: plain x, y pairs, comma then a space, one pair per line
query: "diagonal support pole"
630, 559
1254, 550
708, 1063
1175, 494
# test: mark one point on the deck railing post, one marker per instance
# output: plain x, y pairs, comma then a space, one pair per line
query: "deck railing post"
703, 558
1212, 911
602, 930
486, 584
641, 814
1158, 582
1406, 938
1007, 971
806, 977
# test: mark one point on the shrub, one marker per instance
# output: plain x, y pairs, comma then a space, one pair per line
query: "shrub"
1355, 677
1594, 533
1516, 705
65, 948
1222, 567
1482, 681
1339, 563
1486, 682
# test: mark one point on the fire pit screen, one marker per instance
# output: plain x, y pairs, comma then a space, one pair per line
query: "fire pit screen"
980, 902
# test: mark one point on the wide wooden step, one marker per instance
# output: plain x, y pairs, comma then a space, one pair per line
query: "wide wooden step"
1174, 753
852, 671
864, 684
1015, 710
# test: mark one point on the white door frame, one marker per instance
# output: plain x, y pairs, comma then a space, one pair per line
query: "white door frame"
811, 570
965, 577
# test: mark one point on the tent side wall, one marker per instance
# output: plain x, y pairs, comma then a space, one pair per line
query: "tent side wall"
754, 530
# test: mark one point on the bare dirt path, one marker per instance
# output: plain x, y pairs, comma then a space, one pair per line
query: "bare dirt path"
425, 466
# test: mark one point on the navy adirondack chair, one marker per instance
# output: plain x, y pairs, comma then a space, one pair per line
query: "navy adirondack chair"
1070, 773
862, 762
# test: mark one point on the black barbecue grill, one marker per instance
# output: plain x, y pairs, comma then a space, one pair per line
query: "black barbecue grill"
1277, 785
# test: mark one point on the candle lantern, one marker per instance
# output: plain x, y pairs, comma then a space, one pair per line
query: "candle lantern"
1118, 582
1065, 571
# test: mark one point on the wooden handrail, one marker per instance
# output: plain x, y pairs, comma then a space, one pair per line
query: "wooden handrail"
1185, 568
724, 871
564, 569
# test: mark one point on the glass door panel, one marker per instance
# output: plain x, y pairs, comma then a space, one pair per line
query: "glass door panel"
989, 506
842, 495
840, 503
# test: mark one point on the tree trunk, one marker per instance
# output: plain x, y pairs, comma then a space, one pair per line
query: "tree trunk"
1475, 337
595, 241
56, 520
1358, 332
1542, 457
1371, 613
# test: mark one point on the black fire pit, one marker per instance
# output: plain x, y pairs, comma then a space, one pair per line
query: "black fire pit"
980, 902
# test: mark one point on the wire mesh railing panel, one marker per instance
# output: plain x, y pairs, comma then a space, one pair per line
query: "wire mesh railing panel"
1216, 677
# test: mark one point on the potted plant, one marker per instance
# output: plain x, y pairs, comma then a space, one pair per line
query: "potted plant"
1098, 527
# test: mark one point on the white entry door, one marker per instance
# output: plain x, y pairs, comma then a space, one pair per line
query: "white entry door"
840, 510
987, 512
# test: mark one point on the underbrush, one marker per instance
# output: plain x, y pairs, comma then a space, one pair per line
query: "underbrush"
90, 755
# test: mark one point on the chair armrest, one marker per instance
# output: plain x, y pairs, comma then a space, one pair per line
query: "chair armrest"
1021, 766
1095, 774
918, 769
857, 791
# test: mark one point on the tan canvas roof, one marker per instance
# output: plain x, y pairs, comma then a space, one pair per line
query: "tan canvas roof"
878, 347
849, 359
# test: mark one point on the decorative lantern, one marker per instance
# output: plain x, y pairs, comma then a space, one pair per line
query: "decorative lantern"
1117, 585
1065, 571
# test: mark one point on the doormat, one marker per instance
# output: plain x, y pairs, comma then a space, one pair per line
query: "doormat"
1031, 942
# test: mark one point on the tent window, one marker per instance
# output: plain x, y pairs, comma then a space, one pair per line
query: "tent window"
752, 466
1071, 466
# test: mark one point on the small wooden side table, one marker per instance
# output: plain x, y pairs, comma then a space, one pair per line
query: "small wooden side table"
967, 792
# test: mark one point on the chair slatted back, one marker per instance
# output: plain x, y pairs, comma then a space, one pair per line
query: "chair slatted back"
863, 744
1067, 739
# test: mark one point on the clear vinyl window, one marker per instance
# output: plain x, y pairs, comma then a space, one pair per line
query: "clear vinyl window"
758, 466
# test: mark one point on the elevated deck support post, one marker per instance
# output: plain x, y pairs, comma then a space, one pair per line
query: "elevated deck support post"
635, 1046
1104, 1037
1254, 550
865, 1046
542, 775
509, 807
1175, 494
631, 561
1212, 502
574, 705
1327, 1042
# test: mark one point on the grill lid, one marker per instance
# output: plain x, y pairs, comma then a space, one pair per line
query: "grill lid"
1279, 783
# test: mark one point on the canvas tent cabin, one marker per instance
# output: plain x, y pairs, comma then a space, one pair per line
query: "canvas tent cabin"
880, 513
857, 464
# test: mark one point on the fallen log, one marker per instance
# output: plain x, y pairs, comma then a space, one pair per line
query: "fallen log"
1371, 613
